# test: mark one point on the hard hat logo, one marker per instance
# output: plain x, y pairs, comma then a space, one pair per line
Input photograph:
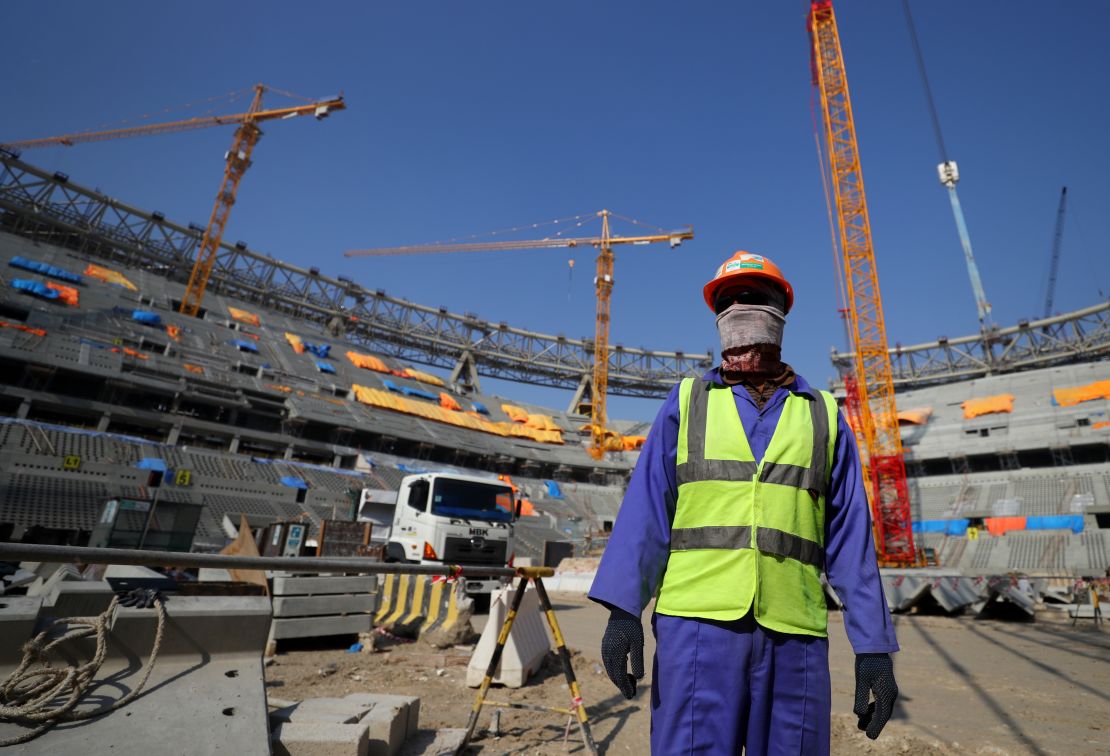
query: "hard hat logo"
746, 267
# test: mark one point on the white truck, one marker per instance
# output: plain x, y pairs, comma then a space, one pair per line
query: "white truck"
454, 519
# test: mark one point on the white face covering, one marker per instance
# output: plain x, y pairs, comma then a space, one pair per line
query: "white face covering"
745, 325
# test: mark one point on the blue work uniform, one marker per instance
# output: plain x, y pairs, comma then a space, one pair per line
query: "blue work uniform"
719, 687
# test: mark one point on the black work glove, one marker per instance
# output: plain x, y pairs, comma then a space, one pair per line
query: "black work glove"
140, 598
624, 635
874, 673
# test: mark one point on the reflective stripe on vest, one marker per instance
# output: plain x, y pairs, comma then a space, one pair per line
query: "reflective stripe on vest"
747, 535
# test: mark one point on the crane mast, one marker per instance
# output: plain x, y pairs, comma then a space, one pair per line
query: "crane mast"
877, 431
238, 160
1054, 264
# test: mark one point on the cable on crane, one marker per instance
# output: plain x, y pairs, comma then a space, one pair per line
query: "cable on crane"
842, 295
925, 82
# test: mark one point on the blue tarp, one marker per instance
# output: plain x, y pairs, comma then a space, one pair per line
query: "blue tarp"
553, 489
293, 482
479, 408
146, 317
34, 287
324, 367
152, 463
950, 527
1074, 523
48, 270
320, 350
391, 386
245, 345
407, 468
407, 391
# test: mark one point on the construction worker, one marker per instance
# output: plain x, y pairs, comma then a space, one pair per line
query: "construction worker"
747, 486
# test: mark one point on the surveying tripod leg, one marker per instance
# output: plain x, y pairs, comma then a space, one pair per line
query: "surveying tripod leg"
564, 657
494, 660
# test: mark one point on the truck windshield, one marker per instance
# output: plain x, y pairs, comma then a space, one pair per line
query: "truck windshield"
479, 501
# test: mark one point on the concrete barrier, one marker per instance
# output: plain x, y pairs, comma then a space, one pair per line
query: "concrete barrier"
422, 606
525, 648
205, 690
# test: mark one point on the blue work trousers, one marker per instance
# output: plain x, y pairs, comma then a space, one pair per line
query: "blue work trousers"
736, 687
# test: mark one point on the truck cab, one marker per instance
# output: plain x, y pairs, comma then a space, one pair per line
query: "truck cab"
454, 519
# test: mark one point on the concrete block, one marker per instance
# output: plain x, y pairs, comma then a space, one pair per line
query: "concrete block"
525, 648
318, 739
312, 627
78, 598
18, 615
334, 710
287, 585
445, 742
410, 704
386, 727
314, 606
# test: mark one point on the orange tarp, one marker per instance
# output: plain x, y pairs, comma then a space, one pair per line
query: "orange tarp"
541, 422
131, 352
988, 405
194, 368
295, 342
516, 414
1102, 424
173, 332
1069, 397
420, 375
387, 400
26, 329
67, 294
243, 316
107, 275
367, 361
997, 526
448, 402
633, 442
916, 416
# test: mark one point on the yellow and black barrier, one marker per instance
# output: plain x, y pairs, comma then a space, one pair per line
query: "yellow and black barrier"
418, 604
577, 707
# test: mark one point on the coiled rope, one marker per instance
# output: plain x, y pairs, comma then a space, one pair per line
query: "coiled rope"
41, 695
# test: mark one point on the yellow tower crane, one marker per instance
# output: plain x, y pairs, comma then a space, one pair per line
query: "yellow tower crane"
603, 285
877, 430
238, 160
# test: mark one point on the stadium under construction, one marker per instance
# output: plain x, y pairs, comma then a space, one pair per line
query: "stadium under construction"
110, 393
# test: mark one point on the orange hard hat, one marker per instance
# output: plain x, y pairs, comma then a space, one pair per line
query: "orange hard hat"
746, 265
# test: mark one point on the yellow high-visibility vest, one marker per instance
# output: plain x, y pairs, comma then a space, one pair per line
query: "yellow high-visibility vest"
747, 536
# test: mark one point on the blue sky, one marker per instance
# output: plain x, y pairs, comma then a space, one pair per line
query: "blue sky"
471, 117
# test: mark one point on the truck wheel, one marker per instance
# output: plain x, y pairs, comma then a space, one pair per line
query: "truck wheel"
395, 554
481, 602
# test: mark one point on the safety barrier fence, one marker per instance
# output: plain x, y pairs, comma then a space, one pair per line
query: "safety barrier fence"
87, 555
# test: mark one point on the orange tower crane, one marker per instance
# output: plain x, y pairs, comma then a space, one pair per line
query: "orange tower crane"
873, 404
603, 285
238, 160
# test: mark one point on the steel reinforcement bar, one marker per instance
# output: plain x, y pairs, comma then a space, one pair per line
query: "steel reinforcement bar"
52, 209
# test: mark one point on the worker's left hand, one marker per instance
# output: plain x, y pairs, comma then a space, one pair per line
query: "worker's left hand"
874, 674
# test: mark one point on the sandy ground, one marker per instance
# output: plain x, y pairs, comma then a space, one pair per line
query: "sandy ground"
968, 687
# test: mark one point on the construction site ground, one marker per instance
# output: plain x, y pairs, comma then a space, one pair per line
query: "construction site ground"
967, 687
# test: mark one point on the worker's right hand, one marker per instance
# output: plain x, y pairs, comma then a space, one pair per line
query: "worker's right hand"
624, 636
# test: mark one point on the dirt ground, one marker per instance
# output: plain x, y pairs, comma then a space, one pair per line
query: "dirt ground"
967, 687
